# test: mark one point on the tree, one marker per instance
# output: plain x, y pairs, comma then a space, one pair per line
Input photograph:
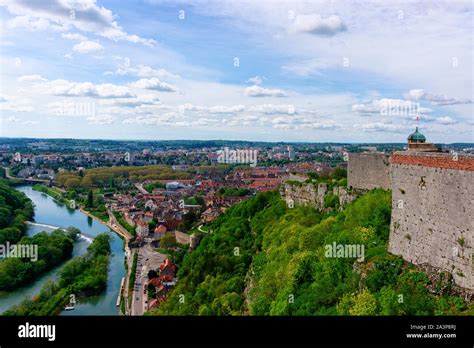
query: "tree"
90, 199
339, 173
71, 194
152, 226
111, 182
167, 241
389, 301
364, 303
152, 274
72, 183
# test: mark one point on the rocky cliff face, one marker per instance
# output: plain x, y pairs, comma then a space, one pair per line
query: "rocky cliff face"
311, 195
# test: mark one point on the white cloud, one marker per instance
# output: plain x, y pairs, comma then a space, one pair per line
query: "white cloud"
446, 120
220, 109
383, 127
138, 101
315, 24
84, 15
203, 121
9, 119
299, 122
30, 122
168, 118
257, 91
87, 89
74, 36
15, 104
33, 24
217, 109
87, 47
32, 78
391, 107
273, 109
101, 119
154, 84
145, 71
308, 67
256, 80
437, 99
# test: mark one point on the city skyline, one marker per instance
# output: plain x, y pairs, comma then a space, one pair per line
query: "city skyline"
283, 71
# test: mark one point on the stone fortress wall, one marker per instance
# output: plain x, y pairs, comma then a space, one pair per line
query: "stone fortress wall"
432, 206
433, 212
368, 170
308, 194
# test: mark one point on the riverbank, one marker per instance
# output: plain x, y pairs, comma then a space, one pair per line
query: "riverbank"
53, 192
51, 249
81, 277
121, 231
115, 226
112, 224
50, 212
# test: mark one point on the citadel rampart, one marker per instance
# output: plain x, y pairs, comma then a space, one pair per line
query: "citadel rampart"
368, 170
433, 212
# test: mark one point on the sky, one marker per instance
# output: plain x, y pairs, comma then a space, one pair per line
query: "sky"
318, 71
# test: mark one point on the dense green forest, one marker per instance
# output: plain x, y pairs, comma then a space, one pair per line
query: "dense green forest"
82, 276
266, 259
102, 177
15, 209
52, 249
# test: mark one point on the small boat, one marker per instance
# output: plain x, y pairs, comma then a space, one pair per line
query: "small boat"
68, 308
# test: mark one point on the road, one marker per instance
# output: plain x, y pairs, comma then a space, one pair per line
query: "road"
140, 188
201, 230
138, 295
8, 176
148, 259
114, 224
7, 173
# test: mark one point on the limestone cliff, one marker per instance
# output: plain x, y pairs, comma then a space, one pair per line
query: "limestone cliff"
314, 195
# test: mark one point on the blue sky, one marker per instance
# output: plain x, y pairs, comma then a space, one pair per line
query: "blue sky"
351, 71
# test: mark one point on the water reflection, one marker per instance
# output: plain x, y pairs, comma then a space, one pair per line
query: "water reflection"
56, 214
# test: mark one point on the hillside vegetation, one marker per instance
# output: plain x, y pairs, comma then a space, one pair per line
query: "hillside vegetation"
15, 209
265, 259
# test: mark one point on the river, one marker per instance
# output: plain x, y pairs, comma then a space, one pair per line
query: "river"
50, 214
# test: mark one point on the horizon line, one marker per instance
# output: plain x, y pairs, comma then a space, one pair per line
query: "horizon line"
222, 140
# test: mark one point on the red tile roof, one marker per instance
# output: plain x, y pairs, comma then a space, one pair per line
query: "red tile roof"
168, 263
442, 160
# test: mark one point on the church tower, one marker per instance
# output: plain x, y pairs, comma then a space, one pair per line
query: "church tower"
417, 142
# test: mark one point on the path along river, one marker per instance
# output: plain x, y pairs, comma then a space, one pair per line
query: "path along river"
49, 215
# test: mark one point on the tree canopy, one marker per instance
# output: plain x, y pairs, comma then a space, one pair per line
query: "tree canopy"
263, 258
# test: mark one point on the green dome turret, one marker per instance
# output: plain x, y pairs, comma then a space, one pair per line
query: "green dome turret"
416, 137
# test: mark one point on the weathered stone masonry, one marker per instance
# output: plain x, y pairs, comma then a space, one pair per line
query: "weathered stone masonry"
433, 212
368, 170
311, 195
